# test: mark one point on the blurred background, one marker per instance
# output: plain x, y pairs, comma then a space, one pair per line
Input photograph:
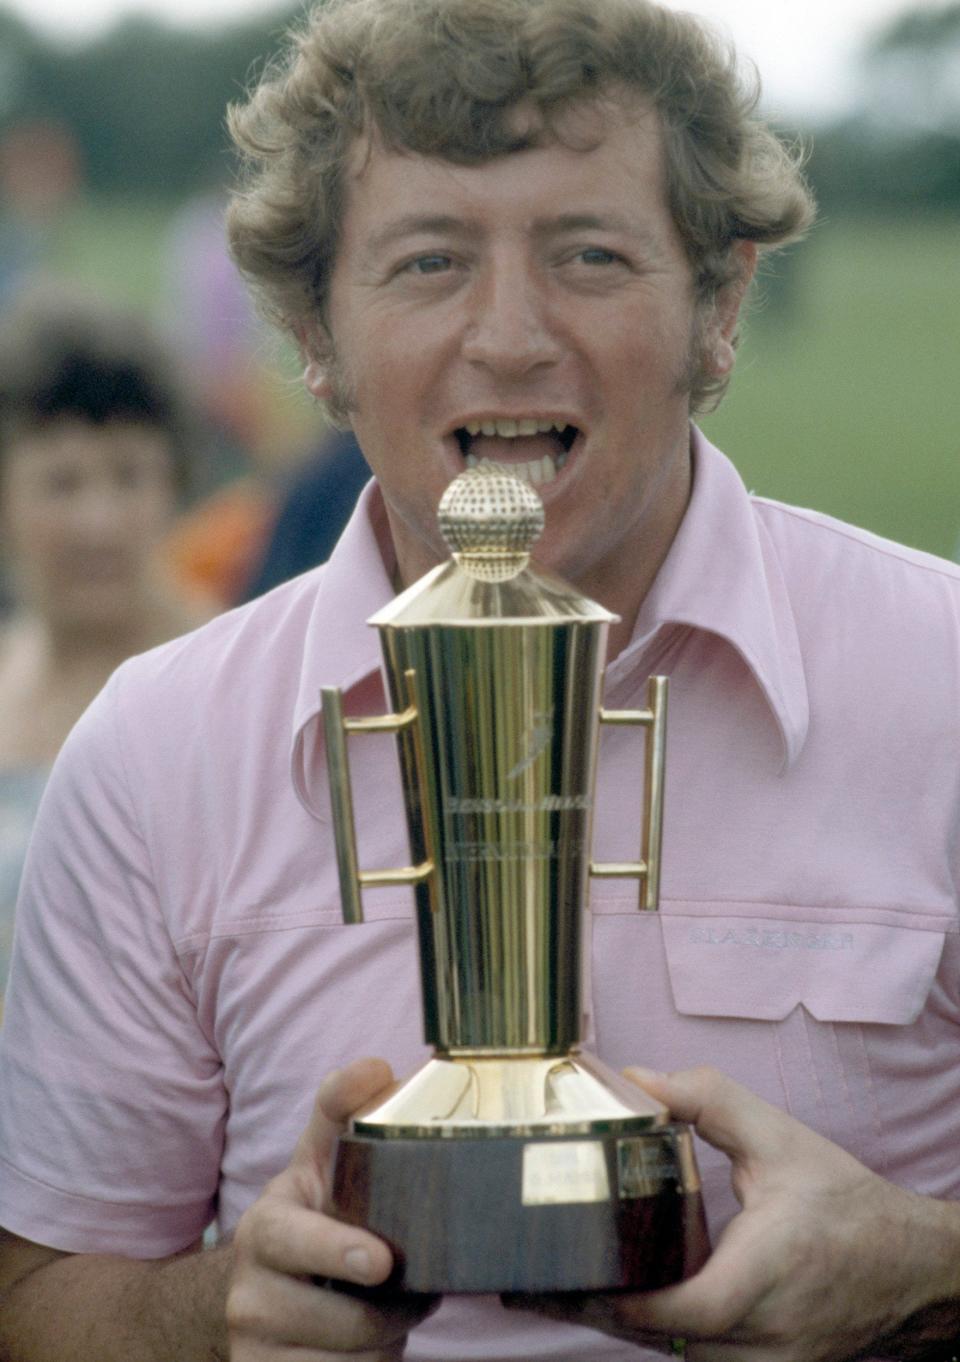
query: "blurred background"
122, 524
114, 163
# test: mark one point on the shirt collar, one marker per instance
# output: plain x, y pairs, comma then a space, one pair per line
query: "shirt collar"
721, 575
339, 647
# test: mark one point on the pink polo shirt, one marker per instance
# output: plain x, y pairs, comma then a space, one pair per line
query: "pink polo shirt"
182, 979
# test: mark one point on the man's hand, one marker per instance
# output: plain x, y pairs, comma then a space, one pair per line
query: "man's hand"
286, 1240
825, 1262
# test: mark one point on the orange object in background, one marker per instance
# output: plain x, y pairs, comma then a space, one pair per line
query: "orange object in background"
214, 546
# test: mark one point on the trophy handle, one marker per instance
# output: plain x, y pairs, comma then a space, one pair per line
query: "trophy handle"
647, 869
352, 878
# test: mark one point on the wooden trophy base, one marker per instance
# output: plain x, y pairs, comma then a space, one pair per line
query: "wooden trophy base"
528, 1213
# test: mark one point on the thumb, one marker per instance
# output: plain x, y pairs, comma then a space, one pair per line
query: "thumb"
340, 1094
345, 1091
723, 1112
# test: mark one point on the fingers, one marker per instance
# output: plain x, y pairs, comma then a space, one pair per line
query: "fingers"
590, 1311
273, 1304
286, 1313
728, 1289
285, 1240
722, 1111
345, 1090
695, 1310
339, 1096
807, 1270
284, 1237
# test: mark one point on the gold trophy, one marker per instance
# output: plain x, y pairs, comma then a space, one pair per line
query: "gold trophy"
512, 1160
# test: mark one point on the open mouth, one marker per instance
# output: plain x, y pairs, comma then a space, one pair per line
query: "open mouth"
534, 449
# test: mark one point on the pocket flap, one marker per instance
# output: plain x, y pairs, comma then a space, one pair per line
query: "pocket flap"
763, 967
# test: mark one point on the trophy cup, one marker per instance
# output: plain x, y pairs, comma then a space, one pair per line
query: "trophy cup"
512, 1160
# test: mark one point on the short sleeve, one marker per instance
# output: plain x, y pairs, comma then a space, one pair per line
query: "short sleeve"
112, 1101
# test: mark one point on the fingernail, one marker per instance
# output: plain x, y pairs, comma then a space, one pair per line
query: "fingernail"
357, 1262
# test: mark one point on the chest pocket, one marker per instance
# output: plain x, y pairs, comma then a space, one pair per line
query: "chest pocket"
836, 965
849, 1020
842, 997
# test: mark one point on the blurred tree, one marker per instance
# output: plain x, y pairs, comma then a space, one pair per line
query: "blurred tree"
146, 106
19, 53
855, 165
146, 101
912, 70
900, 151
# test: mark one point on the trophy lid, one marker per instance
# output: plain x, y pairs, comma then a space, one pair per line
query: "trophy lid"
490, 518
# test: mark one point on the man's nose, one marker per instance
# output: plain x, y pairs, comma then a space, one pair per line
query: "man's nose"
510, 330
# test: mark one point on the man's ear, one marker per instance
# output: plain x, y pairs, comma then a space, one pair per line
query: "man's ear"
316, 380
314, 347
722, 329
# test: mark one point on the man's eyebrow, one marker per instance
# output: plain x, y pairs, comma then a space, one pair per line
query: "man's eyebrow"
563, 223
415, 224
452, 226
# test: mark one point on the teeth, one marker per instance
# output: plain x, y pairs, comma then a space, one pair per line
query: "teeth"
535, 471
510, 429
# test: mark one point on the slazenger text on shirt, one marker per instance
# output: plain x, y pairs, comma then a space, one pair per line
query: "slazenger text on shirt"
772, 938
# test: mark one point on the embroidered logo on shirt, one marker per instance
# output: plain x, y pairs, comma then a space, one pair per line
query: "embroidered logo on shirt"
771, 938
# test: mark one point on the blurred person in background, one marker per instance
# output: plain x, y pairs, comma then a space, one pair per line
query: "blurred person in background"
95, 441
41, 172
314, 508
208, 315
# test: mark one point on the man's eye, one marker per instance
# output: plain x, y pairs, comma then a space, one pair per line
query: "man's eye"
597, 255
428, 264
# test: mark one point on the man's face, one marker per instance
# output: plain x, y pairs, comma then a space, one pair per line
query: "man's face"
538, 310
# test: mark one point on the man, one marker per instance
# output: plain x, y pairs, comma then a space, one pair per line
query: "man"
523, 231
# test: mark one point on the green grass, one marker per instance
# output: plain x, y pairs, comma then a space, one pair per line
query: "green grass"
115, 246
847, 392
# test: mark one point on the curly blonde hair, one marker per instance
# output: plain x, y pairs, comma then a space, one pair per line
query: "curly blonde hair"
441, 78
